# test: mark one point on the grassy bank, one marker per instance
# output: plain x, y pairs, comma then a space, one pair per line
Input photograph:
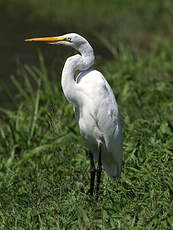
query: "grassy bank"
44, 166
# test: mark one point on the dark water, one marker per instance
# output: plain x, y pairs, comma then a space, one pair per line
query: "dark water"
12, 50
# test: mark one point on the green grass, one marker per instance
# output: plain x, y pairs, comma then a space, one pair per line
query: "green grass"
44, 170
44, 166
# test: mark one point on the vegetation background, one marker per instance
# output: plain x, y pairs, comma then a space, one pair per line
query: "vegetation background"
44, 167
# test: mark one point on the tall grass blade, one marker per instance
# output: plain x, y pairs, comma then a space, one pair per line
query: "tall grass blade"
108, 44
44, 75
20, 88
12, 156
7, 112
34, 118
18, 115
32, 73
42, 63
29, 87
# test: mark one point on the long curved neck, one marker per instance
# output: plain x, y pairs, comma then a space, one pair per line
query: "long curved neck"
77, 62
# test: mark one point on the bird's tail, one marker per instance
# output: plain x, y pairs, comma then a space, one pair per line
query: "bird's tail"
113, 170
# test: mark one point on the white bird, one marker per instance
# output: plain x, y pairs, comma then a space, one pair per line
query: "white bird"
95, 106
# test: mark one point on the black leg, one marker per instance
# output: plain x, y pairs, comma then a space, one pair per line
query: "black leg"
99, 171
92, 171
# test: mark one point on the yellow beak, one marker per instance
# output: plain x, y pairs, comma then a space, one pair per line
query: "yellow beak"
47, 39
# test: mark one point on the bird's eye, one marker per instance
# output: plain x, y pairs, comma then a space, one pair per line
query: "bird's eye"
68, 39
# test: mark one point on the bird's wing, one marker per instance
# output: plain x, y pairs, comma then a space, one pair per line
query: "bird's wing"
99, 99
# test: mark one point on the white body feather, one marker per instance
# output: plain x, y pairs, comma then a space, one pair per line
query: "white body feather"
99, 120
96, 110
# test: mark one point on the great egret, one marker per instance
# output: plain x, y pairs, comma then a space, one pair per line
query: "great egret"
96, 110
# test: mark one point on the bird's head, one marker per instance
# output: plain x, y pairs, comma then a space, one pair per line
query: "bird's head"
72, 39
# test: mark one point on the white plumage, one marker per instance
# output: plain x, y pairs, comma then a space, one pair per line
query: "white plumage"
99, 120
95, 107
